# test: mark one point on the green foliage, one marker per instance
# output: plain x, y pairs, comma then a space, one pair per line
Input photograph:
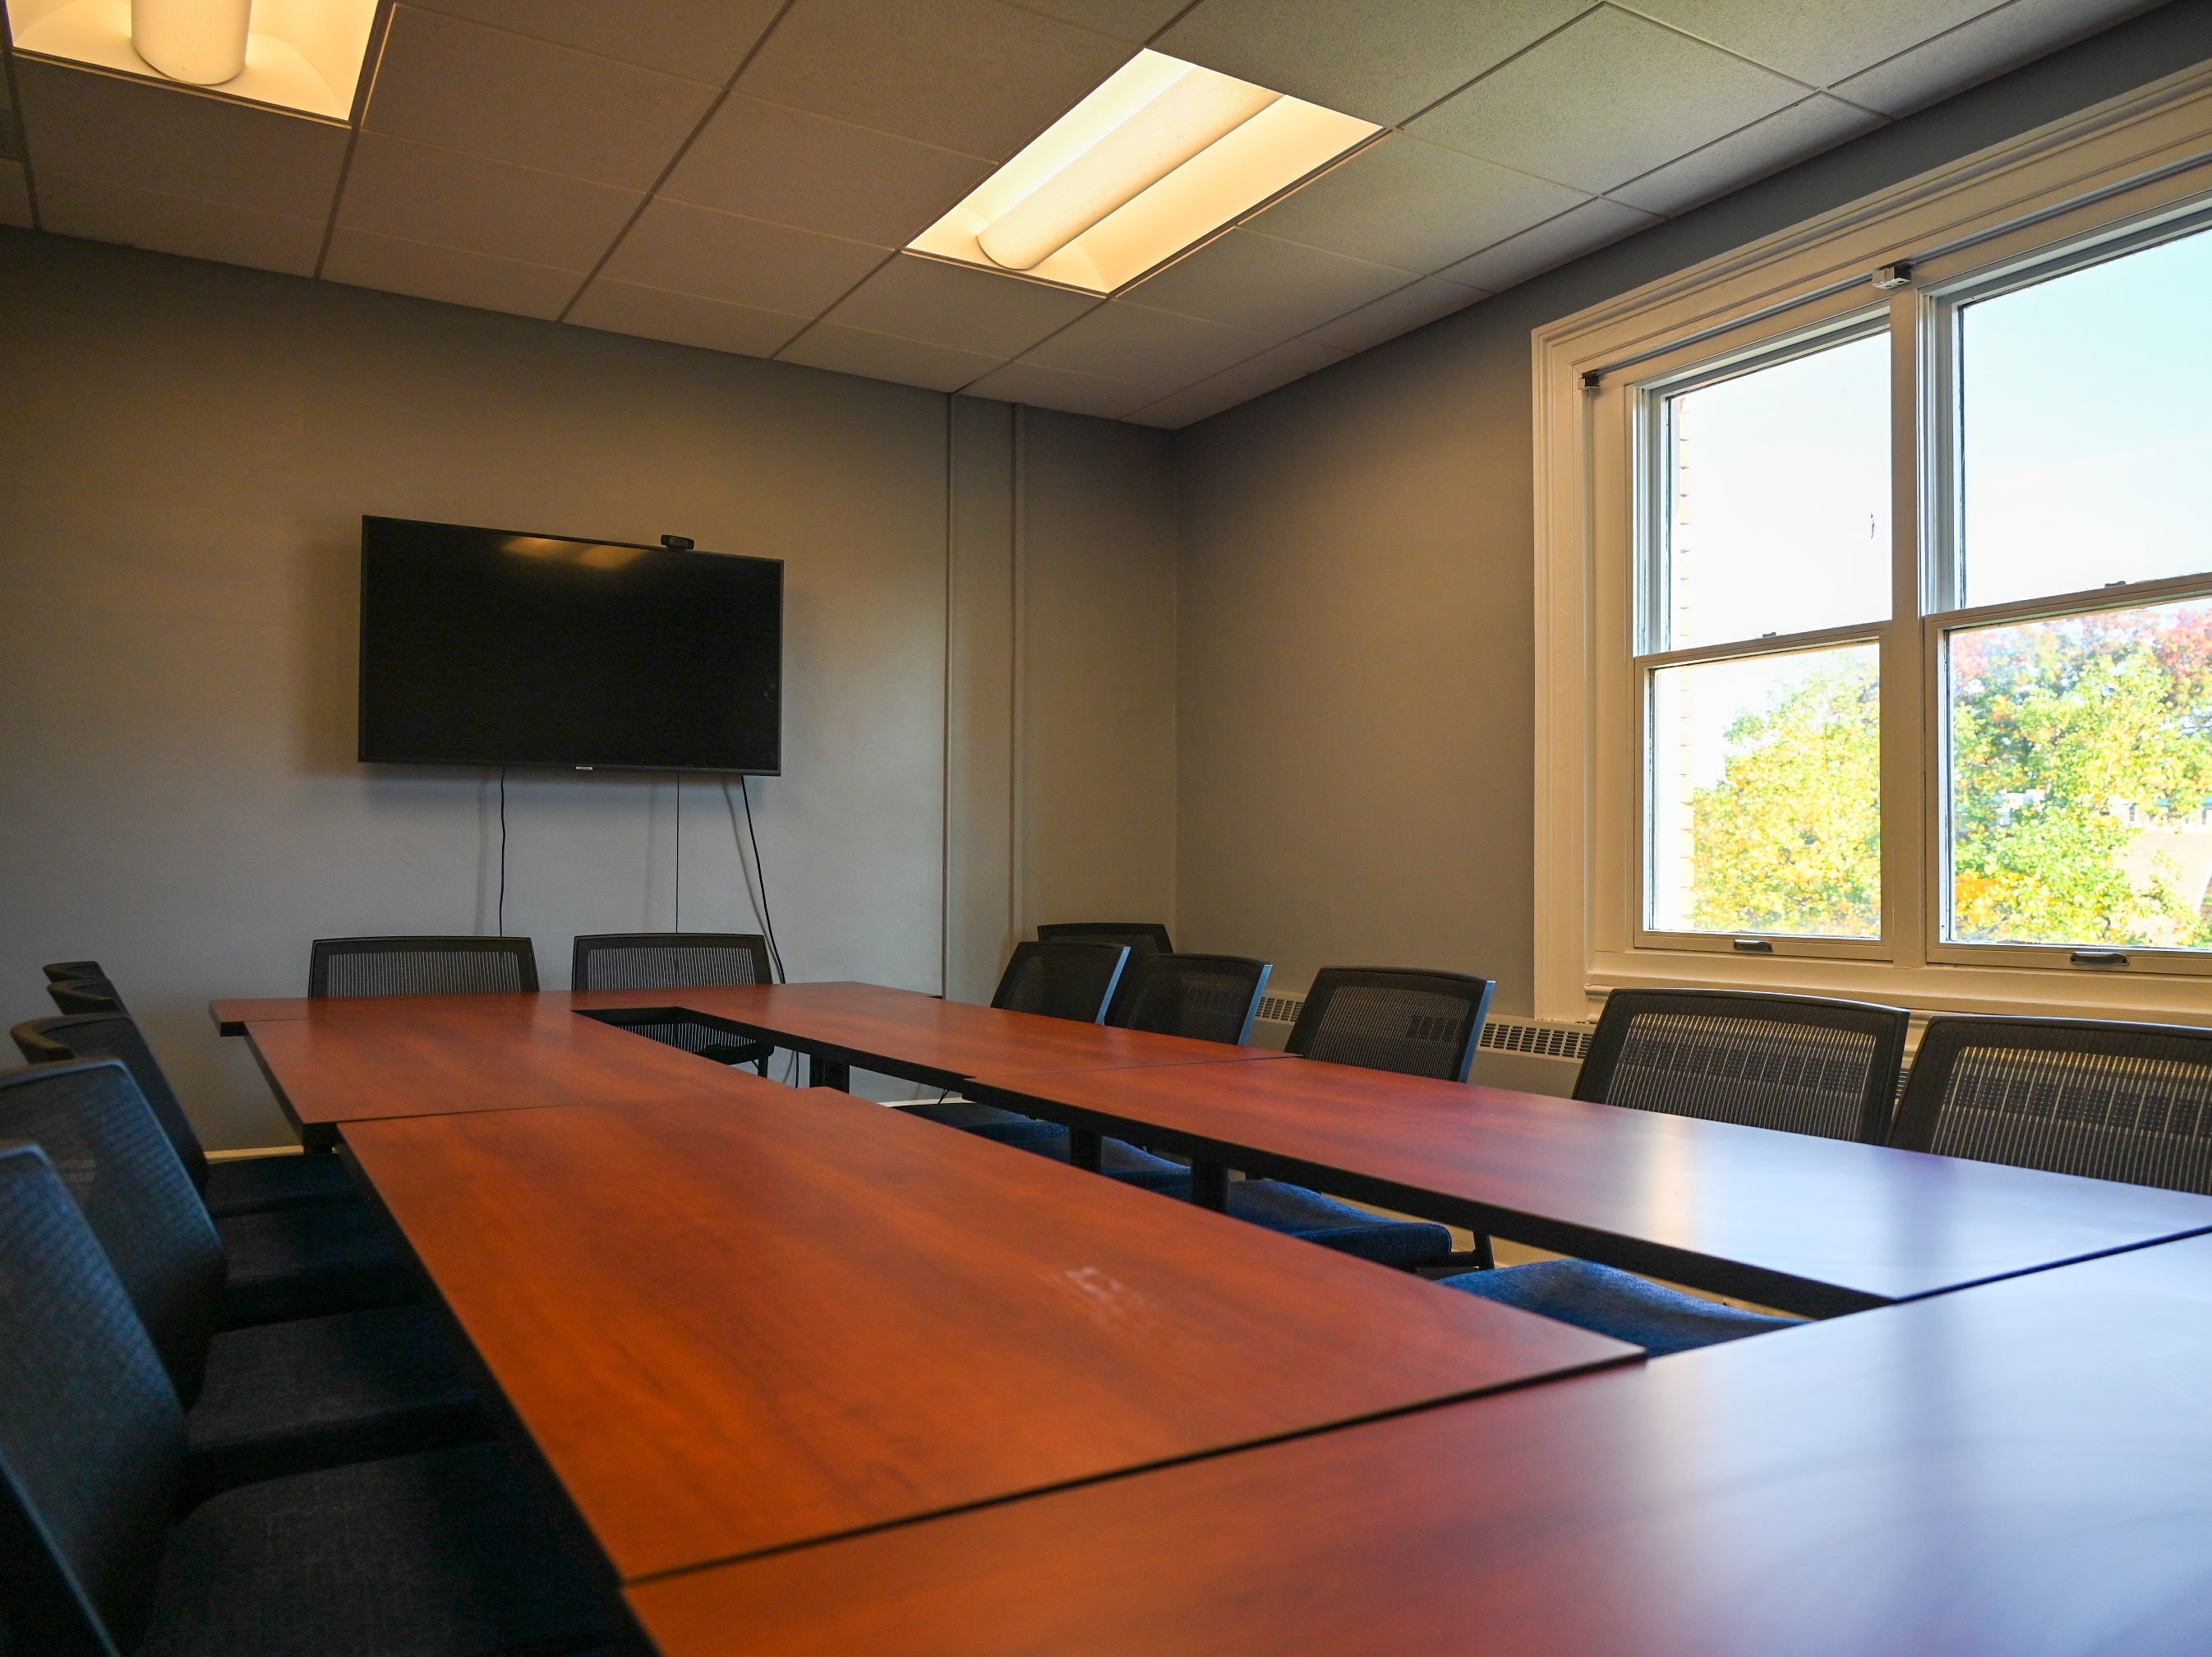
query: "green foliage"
2068, 738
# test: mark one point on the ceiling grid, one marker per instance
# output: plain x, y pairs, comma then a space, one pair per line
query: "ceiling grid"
743, 175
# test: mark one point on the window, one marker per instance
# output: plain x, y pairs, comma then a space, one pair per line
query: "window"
1876, 617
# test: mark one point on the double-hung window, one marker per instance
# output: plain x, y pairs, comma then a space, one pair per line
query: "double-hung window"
1884, 608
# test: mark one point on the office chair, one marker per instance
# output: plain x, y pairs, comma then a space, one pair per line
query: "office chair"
280, 1397
282, 1264
2130, 1102
421, 966
1059, 979
678, 960
62, 972
1142, 938
1378, 1018
1206, 997
84, 995
441, 1550
1797, 1063
246, 1185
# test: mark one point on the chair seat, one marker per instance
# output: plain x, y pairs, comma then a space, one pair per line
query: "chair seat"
1291, 1210
1608, 1301
967, 1114
305, 1263
258, 1183
284, 1398
444, 1554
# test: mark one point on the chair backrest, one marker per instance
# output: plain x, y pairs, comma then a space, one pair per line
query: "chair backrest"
1417, 1024
117, 1035
62, 972
91, 1436
1797, 1063
1208, 997
421, 966
84, 995
2131, 1102
93, 1122
1062, 980
669, 960
1142, 937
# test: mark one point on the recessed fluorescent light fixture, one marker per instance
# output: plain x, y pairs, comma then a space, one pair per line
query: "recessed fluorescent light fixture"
1161, 154
303, 55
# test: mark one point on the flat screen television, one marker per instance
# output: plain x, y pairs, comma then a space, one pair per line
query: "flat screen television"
490, 647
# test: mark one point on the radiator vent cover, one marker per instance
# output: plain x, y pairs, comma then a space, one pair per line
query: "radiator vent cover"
1500, 1034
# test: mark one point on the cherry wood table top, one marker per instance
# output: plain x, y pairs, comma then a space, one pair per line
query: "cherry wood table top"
2022, 1468
1810, 1224
736, 1325
894, 1031
442, 1055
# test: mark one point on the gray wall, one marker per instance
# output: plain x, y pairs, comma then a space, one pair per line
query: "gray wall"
1357, 649
186, 450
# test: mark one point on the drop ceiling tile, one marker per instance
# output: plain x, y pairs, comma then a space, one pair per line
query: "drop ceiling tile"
1818, 41
952, 305
684, 318
1577, 231
1122, 341
1604, 101
1293, 359
1181, 408
1257, 282
702, 40
967, 75
1414, 205
180, 144
1974, 52
361, 259
1410, 308
1134, 20
880, 356
14, 195
1382, 60
101, 209
1765, 146
462, 86
741, 261
421, 193
1062, 388
793, 166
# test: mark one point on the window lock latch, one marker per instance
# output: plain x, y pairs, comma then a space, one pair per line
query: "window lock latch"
1899, 275
1754, 946
2099, 958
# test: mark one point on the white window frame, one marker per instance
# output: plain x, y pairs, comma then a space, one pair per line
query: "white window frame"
2123, 169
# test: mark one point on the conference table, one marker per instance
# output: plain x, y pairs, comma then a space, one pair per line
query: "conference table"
817, 1374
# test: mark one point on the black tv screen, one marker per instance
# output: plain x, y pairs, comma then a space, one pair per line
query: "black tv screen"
490, 647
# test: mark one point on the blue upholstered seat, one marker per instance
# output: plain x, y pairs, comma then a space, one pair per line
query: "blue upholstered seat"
255, 1184
1291, 1210
1608, 1301
964, 1113
305, 1262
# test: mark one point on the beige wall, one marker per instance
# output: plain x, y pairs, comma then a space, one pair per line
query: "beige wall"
1356, 552
186, 450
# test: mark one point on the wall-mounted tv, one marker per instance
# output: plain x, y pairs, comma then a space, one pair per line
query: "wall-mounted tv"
491, 646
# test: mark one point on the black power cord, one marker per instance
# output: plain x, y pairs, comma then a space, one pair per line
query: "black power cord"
760, 873
502, 851
679, 851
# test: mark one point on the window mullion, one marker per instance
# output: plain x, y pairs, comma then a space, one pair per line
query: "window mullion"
1909, 739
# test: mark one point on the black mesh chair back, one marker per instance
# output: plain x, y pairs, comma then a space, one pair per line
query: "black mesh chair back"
421, 966
2131, 1102
1417, 1024
1141, 937
1208, 998
62, 972
678, 960
91, 1435
94, 1124
116, 1035
84, 995
1796, 1062
1062, 980
669, 961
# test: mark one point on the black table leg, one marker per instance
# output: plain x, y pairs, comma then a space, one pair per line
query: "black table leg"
1086, 1148
829, 1073
1209, 1185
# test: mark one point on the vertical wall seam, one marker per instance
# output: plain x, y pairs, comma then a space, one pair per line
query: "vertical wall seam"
1017, 688
945, 773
